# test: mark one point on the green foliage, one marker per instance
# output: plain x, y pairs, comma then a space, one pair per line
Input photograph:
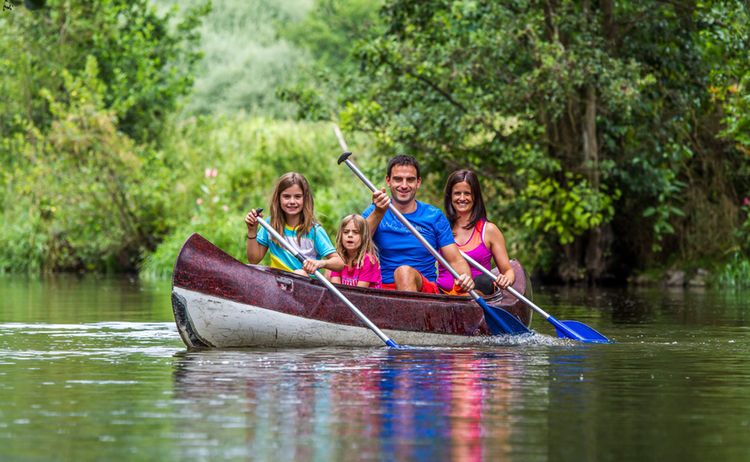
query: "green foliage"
327, 34
86, 89
742, 234
728, 43
230, 165
737, 108
566, 210
578, 118
93, 207
136, 50
24, 245
736, 273
580, 122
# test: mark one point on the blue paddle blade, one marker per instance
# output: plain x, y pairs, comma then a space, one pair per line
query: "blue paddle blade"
578, 331
500, 321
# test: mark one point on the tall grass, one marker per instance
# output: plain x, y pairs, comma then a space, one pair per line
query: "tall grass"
736, 273
248, 155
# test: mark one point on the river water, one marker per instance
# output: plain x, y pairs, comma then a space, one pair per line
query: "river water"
93, 369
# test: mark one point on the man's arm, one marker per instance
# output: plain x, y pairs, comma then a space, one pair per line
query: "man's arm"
381, 201
453, 256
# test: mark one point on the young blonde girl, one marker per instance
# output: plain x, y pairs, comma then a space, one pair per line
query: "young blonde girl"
291, 215
354, 244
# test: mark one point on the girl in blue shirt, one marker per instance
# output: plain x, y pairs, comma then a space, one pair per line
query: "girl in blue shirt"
291, 215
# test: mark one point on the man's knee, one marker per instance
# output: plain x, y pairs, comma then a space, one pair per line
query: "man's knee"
407, 278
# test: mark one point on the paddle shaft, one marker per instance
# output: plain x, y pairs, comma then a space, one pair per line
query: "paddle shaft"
497, 319
329, 285
394, 210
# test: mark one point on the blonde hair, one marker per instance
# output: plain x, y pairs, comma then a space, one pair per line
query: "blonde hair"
307, 219
367, 245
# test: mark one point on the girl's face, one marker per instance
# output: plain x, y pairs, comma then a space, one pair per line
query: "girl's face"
291, 200
351, 238
461, 197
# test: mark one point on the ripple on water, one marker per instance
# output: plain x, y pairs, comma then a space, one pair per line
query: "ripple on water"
109, 341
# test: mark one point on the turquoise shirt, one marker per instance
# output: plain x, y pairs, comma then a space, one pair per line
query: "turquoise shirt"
315, 245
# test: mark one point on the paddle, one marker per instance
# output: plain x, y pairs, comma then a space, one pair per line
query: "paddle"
570, 329
498, 320
328, 284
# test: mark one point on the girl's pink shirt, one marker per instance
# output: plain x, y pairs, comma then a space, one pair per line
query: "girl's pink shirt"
368, 272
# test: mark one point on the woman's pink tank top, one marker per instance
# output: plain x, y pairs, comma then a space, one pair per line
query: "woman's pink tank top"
476, 249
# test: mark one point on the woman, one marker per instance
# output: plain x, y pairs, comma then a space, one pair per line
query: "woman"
474, 235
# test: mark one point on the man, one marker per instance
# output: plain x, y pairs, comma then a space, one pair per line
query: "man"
404, 262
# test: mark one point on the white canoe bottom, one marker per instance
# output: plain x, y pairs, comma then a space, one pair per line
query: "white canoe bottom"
221, 323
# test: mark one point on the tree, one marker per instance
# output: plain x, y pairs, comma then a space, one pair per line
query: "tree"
144, 63
86, 88
586, 118
328, 34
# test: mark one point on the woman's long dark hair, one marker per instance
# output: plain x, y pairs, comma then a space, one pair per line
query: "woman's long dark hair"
478, 211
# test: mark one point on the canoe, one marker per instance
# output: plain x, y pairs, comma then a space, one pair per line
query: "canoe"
220, 302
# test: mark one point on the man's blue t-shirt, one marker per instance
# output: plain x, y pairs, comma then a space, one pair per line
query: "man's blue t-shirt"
397, 245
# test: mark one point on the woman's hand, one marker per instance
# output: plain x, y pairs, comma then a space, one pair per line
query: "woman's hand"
503, 281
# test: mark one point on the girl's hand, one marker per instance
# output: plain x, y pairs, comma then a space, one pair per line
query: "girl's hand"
251, 220
312, 266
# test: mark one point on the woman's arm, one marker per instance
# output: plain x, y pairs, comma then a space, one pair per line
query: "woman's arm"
495, 241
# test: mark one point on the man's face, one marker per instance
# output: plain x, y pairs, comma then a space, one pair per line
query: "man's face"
403, 183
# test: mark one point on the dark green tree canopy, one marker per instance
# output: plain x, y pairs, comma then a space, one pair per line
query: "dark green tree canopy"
144, 63
583, 117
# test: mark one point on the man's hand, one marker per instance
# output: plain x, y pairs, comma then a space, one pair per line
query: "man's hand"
381, 200
465, 282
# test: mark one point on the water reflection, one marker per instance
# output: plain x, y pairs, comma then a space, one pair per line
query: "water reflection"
320, 405
66, 298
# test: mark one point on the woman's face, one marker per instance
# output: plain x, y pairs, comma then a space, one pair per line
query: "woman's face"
291, 200
461, 197
350, 237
